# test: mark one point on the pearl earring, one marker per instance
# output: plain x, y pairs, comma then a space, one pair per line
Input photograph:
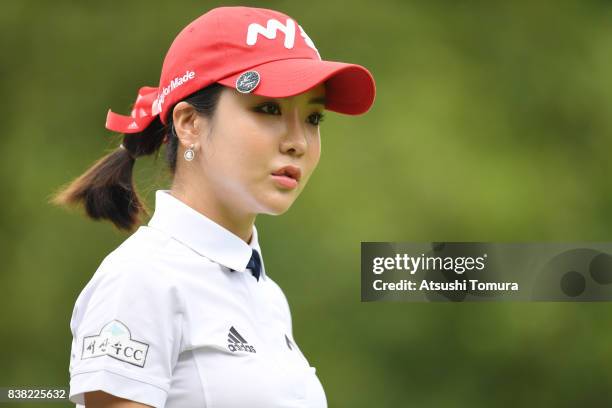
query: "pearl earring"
189, 153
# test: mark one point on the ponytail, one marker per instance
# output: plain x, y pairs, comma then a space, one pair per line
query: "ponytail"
106, 190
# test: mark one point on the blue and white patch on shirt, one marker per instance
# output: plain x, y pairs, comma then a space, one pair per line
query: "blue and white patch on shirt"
115, 340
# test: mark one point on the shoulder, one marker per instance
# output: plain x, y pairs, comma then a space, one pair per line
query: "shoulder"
144, 243
144, 259
138, 272
276, 289
279, 298
133, 276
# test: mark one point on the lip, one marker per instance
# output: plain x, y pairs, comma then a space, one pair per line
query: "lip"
287, 176
289, 171
284, 181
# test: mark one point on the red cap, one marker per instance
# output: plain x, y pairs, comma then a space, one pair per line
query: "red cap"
253, 50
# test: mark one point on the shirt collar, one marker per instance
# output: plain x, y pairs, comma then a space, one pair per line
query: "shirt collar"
203, 235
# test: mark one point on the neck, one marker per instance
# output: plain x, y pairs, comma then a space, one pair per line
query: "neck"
240, 225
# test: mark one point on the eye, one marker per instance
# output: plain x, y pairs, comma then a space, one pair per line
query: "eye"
316, 118
272, 108
269, 108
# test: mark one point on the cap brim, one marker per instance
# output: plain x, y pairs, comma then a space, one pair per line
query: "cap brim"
349, 88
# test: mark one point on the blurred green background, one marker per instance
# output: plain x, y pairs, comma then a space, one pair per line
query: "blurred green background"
492, 123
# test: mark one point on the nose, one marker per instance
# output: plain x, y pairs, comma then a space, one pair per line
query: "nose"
294, 140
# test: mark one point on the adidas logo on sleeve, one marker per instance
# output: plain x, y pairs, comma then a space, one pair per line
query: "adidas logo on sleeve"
235, 342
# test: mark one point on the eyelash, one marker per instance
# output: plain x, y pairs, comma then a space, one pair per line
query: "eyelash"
262, 109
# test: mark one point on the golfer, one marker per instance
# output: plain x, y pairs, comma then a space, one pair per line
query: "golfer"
183, 313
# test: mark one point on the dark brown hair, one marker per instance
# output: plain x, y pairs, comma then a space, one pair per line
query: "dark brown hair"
106, 190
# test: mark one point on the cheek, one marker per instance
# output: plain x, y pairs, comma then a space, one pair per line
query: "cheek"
247, 148
314, 151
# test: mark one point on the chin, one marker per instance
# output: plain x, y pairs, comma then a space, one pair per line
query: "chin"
277, 206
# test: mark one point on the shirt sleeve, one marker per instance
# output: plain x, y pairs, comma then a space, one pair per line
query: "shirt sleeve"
127, 333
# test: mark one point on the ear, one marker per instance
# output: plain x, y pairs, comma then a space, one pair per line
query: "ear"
187, 123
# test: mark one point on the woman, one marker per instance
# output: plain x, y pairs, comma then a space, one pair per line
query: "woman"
183, 312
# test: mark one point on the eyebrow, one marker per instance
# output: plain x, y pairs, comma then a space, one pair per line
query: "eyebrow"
318, 99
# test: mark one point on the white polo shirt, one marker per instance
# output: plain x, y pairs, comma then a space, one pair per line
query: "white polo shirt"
165, 322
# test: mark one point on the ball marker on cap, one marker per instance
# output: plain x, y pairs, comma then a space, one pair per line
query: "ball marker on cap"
247, 82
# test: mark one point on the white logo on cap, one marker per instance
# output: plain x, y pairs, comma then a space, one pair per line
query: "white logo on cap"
175, 83
272, 27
